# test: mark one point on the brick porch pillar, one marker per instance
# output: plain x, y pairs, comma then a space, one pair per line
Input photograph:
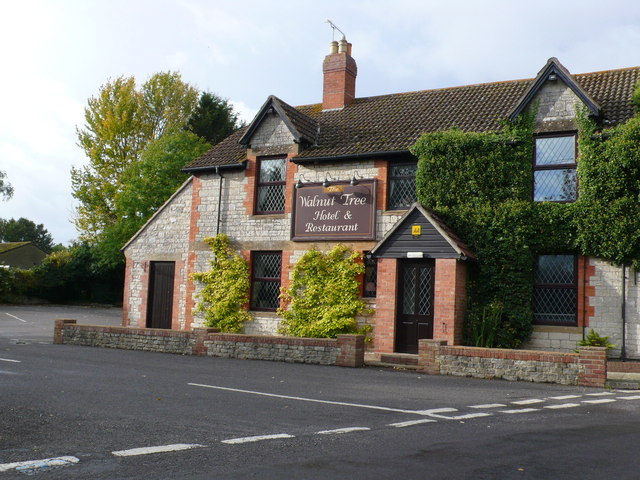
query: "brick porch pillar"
450, 296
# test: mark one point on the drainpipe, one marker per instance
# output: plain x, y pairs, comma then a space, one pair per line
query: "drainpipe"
623, 348
219, 200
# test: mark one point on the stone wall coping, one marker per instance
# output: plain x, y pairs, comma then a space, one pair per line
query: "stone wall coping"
504, 353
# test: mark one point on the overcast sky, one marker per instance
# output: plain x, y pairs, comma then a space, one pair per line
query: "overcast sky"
57, 53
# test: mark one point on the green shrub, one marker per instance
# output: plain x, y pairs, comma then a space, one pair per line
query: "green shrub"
324, 297
226, 288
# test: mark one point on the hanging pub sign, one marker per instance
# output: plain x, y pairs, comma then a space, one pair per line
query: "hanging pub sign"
339, 211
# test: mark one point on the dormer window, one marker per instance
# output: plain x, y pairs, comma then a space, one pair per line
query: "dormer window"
272, 174
554, 171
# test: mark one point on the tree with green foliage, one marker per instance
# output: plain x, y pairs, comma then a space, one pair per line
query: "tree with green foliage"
213, 118
24, 230
225, 290
119, 123
6, 190
146, 185
323, 299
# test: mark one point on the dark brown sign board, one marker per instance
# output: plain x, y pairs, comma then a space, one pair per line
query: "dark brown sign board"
340, 211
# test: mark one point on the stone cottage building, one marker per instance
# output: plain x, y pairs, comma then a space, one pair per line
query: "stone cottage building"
340, 171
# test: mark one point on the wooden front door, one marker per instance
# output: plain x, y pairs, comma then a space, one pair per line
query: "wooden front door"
160, 304
414, 320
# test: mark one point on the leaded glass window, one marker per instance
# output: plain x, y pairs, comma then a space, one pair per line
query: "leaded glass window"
271, 185
555, 300
402, 186
554, 177
265, 280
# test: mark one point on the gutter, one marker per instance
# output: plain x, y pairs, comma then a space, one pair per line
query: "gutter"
216, 168
350, 156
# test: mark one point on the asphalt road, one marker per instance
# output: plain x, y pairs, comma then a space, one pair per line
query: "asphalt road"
203, 418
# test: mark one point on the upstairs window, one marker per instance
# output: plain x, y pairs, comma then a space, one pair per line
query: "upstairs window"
272, 175
555, 300
265, 280
554, 171
402, 186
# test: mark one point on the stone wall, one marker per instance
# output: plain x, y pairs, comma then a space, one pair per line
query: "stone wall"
587, 368
346, 350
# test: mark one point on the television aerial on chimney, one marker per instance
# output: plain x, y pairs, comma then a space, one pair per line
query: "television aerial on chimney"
335, 27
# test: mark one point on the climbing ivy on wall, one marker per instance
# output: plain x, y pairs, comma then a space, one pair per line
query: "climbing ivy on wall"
225, 290
323, 299
481, 184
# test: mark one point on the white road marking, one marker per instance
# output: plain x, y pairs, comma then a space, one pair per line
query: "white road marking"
435, 410
9, 360
470, 415
411, 423
329, 402
257, 438
488, 405
338, 431
632, 397
521, 410
39, 464
565, 397
13, 316
599, 394
528, 402
562, 405
601, 400
159, 449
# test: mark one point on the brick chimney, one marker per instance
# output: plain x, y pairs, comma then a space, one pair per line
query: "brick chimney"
340, 70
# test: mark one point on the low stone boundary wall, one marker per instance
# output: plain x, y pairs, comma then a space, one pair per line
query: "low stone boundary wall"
586, 368
345, 351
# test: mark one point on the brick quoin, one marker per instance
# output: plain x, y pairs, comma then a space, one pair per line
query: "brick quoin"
449, 300
194, 232
383, 167
126, 297
175, 308
586, 291
250, 185
385, 313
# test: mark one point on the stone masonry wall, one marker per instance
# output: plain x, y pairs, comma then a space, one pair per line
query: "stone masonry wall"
556, 107
164, 238
587, 368
346, 350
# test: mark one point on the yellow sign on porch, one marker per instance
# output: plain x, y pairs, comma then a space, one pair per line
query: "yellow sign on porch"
416, 230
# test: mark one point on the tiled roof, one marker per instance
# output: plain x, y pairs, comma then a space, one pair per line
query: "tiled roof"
390, 123
5, 247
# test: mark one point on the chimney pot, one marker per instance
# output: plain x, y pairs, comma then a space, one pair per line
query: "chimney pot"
333, 47
342, 46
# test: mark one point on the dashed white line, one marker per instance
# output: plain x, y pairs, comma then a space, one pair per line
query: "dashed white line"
488, 405
257, 438
411, 423
600, 400
528, 402
9, 360
158, 449
599, 394
565, 397
338, 431
521, 410
39, 464
631, 397
470, 415
562, 405
13, 316
435, 410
